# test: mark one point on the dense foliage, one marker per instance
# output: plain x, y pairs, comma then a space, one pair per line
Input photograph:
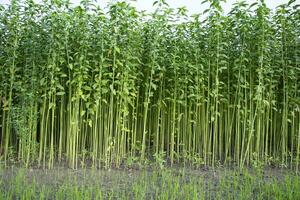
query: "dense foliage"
78, 84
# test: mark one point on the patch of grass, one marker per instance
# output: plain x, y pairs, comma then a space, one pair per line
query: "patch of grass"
158, 184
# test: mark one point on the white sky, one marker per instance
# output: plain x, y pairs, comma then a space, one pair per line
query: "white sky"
193, 6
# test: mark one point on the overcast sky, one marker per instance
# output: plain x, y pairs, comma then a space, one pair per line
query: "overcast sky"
193, 6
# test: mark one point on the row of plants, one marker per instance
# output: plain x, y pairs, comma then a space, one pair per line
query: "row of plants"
81, 83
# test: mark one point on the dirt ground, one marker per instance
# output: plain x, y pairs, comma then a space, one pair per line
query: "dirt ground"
122, 178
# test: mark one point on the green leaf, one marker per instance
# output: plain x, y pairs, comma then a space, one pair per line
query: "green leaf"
60, 93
